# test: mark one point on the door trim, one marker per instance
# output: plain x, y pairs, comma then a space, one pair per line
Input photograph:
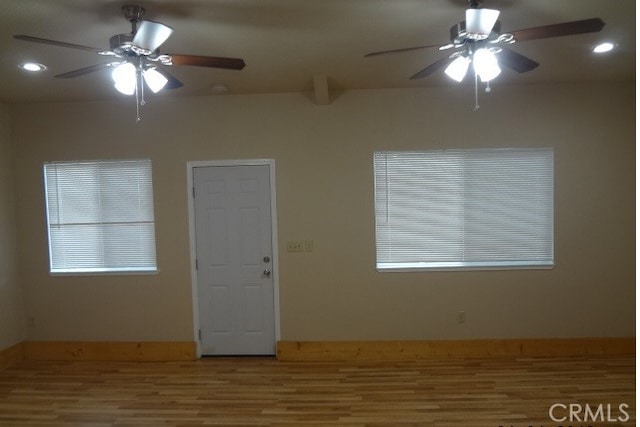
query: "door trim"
192, 238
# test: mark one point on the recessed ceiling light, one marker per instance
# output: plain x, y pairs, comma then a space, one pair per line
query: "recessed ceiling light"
604, 47
33, 67
219, 88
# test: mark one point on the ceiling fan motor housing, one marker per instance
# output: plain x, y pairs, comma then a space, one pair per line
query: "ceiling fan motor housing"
459, 35
121, 43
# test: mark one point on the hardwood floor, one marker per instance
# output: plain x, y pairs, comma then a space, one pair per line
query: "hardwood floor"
439, 392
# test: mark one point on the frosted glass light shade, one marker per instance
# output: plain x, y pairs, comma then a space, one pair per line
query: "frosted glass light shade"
486, 65
154, 79
458, 68
124, 77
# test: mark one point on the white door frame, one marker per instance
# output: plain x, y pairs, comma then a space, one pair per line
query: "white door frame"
192, 238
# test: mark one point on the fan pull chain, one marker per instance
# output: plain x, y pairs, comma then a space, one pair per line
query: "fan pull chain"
141, 82
476, 107
139, 94
137, 101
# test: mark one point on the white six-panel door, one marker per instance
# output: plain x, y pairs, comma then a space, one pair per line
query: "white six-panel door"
232, 210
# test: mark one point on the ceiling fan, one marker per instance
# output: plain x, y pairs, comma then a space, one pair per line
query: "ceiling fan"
479, 42
138, 58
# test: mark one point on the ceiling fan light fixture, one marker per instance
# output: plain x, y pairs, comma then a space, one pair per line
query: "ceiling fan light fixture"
154, 79
480, 22
486, 65
124, 78
458, 68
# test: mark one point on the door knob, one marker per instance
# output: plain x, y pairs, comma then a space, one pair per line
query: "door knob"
267, 272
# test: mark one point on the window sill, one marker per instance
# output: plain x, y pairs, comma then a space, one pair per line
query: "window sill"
459, 266
104, 272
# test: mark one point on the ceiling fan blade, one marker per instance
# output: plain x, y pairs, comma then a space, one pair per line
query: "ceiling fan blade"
516, 61
481, 21
172, 82
592, 25
86, 70
150, 35
406, 49
57, 43
208, 61
431, 68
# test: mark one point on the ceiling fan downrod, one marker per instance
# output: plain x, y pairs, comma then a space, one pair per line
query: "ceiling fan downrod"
122, 44
133, 14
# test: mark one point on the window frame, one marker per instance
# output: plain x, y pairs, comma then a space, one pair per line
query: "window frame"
462, 265
100, 271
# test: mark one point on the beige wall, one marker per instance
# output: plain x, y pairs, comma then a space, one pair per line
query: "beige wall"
325, 192
11, 307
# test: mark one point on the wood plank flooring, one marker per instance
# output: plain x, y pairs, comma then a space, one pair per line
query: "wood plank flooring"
439, 392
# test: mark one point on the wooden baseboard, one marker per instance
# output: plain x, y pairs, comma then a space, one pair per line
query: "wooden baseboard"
110, 351
321, 350
411, 350
11, 356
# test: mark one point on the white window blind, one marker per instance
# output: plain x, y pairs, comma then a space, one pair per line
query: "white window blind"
100, 216
480, 208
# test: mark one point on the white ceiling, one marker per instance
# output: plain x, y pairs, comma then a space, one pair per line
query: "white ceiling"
285, 43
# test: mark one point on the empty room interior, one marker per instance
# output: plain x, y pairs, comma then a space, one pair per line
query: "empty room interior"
285, 212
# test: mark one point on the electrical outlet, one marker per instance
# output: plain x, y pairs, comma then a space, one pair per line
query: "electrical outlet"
461, 316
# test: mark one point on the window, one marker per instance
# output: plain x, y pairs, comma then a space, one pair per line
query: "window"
100, 216
474, 209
